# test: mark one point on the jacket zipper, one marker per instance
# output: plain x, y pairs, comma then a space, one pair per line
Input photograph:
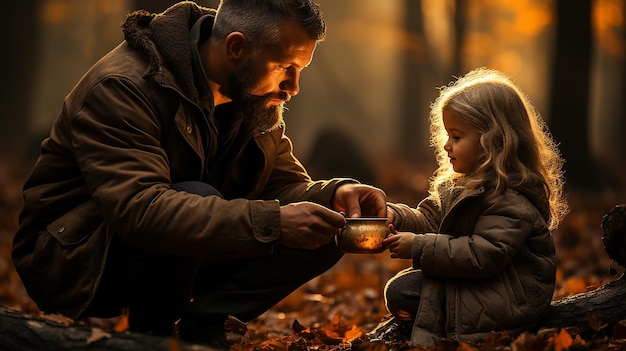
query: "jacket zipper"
454, 335
210, 125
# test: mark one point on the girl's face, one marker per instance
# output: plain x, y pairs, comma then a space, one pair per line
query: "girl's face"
463, 145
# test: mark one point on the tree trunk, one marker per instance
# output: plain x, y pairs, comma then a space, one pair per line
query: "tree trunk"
568, 118
459, 35
415, 64
21, 53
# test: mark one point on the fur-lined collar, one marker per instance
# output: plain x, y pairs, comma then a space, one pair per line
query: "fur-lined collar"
164, 39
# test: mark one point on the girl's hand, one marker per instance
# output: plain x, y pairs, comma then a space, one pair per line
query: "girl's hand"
400, 244
391, 216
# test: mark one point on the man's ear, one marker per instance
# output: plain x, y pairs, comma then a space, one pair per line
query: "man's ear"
236, 47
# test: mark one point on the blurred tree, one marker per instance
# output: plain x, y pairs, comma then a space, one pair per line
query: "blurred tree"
569, 106
622, 132
19, 40
460, 11
416, 68
610, 106
336, 153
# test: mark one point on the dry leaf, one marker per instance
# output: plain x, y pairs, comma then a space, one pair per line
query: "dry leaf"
575, 285
173, 345
463, 346
58, 318
595, 322
528, 342
578, 340
122, 323
97, 334
619, 330
352, 334
562, 340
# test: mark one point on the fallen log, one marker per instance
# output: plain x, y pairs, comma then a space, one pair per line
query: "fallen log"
591, 311
603, 307
22, 331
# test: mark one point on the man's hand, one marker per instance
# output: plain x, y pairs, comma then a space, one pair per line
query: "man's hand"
306, 225
360, 200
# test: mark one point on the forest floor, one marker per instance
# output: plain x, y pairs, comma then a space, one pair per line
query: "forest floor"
336, 309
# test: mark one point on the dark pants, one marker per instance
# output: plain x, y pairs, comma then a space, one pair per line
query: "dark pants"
402, 292
162, 288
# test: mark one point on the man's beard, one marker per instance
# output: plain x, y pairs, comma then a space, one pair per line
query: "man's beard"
253, 108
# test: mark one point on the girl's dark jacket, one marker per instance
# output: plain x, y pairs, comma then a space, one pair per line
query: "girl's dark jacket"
129, 129
488, 261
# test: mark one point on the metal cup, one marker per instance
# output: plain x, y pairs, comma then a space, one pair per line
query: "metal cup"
363, 235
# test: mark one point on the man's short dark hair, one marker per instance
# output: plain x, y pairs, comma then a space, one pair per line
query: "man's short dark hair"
260, 20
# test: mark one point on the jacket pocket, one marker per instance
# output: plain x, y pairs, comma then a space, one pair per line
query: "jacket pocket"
75, 227
62, 271
516, 291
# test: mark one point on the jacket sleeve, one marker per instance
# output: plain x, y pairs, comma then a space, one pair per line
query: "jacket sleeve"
116, 136
422, 219
501, 230
289, 181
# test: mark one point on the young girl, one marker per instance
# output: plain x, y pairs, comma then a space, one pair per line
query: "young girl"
482, 252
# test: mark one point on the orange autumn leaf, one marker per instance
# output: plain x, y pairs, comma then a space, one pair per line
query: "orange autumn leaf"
562, 340
241, 347
575, 285
579, 341
463, 346
274, 345
354, 333
172, 345
122, 323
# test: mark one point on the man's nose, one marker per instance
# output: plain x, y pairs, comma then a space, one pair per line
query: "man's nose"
291, 84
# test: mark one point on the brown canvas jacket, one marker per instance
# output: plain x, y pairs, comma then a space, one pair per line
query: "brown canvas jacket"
129, 129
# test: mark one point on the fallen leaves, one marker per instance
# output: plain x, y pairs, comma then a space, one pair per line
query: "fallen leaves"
333, 334
338, 335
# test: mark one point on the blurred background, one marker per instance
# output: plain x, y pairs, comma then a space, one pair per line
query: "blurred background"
363, 107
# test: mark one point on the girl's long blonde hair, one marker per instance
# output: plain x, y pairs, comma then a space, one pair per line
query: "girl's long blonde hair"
518, 147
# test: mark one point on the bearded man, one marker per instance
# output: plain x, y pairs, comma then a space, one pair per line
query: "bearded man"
167, 185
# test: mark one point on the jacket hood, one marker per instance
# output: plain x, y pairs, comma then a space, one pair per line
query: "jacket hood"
536, 194
534, 190
164, 39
